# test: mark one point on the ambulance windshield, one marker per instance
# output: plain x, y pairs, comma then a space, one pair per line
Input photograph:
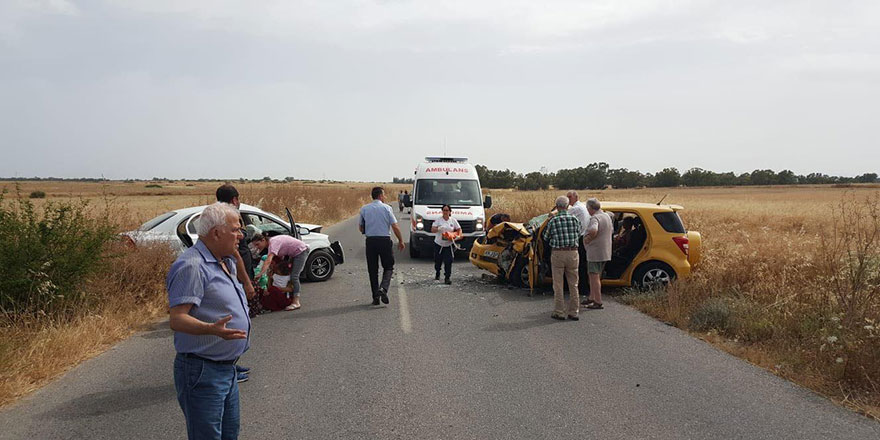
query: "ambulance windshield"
453, 192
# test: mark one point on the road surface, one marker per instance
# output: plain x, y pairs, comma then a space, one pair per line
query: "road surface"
474, 360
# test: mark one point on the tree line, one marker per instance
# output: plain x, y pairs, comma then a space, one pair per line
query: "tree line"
600, 175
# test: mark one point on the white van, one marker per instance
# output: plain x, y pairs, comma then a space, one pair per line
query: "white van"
445, 181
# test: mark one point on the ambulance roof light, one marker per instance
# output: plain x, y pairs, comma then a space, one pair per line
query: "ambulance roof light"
446, 159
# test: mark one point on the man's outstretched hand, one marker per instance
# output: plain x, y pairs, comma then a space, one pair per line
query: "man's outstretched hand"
219, 329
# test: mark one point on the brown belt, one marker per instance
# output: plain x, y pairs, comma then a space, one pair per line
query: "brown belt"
570, 248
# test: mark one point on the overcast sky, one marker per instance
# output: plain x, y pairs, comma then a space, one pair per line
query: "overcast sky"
363, 90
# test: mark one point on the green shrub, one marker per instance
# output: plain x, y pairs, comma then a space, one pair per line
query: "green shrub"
712, 314
152, 185
638, 296
752, 327
45, 258
37, 195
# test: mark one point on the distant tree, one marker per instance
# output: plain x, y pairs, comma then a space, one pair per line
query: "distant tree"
699, 177
762, 177
624, 178
866, 178
593, 176
817, 179
597, 175
726, 179
496, 178
533, 181
667, 177
786, 177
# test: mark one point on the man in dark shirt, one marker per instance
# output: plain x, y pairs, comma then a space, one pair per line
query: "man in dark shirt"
243, 260
244, 263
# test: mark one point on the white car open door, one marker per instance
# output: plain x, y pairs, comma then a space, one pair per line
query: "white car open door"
294, 229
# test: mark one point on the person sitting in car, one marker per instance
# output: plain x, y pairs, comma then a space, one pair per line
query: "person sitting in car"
635, 240
626, 229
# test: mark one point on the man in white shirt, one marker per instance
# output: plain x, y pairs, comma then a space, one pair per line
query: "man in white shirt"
579, 210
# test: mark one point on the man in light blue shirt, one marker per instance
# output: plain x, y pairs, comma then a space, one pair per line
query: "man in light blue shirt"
376, 222
209, 316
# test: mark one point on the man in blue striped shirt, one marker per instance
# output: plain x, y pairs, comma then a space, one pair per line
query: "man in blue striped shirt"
209, 316
376, 221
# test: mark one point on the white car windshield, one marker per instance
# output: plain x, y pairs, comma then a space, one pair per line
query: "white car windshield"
453, 192
156, 221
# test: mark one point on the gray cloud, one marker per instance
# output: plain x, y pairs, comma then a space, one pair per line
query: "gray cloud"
320, 89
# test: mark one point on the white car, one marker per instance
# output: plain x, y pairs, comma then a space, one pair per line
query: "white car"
178, 229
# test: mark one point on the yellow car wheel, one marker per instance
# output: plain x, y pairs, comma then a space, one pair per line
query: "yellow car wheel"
519, 276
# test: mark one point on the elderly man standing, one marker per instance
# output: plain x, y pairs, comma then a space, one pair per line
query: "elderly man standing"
562, 234
598, 244
579, 210
209, 316
374, 221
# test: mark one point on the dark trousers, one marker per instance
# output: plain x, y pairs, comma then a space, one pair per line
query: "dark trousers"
443, 256
583, 285
379, 248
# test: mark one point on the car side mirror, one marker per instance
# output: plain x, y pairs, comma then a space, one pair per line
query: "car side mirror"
488, 202
407, 200
304, 231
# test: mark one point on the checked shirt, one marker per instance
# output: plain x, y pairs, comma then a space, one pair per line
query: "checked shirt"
563, 230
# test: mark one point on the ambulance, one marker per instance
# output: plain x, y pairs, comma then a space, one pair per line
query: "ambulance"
442, 181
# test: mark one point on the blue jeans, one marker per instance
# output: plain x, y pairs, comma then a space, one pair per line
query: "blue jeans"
208, 395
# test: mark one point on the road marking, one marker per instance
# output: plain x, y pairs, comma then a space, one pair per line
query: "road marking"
405, 323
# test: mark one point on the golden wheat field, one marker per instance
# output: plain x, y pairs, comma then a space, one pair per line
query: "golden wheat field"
789, 280
133, 203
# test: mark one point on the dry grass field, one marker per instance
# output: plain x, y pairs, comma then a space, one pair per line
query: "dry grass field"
134, 203
789, 280
790, 276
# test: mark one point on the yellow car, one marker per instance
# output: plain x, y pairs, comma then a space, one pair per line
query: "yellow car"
651, 247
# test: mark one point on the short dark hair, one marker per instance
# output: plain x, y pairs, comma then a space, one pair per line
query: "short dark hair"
376, 192
226, 193
446, 206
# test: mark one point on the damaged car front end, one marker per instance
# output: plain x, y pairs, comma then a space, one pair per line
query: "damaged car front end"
513, 251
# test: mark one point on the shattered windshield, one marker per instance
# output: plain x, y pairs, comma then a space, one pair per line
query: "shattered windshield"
454, 192
536, 222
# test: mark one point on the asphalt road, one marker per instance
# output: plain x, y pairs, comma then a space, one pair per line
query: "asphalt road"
472, 360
